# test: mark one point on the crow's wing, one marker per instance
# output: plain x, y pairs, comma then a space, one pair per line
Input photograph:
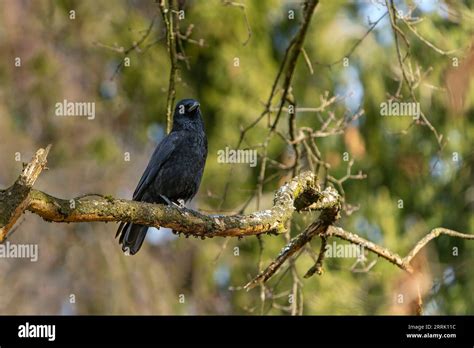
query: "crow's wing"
161, 154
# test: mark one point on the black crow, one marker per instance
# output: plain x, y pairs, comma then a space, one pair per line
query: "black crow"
174, 172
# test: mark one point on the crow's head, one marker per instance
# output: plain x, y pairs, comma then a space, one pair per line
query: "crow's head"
187, 115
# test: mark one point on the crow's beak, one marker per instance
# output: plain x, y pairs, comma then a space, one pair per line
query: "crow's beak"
194, 106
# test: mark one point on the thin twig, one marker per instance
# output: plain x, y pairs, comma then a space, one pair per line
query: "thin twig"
244, 11
167, 14
318, 266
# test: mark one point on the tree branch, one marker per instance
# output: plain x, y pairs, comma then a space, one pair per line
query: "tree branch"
328, 216
167, 14
300, 194
292, 54
318, 266
403, 263
15, 199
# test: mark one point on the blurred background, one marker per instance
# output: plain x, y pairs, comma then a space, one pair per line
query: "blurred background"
81, 268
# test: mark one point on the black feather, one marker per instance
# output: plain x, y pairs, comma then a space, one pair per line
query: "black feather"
174, 170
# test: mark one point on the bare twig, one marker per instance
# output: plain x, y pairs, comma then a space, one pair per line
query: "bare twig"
134, 47
287, 68
435, 233
356, 44
244, 11
401, 262
167, 14
17, 197
318, 266
396, 30
294, 50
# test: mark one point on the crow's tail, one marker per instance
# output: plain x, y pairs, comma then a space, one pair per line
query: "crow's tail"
131, 236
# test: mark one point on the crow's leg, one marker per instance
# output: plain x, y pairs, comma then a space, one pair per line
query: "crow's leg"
180, 203
166, 199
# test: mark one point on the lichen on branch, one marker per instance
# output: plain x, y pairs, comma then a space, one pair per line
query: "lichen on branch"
300, 194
